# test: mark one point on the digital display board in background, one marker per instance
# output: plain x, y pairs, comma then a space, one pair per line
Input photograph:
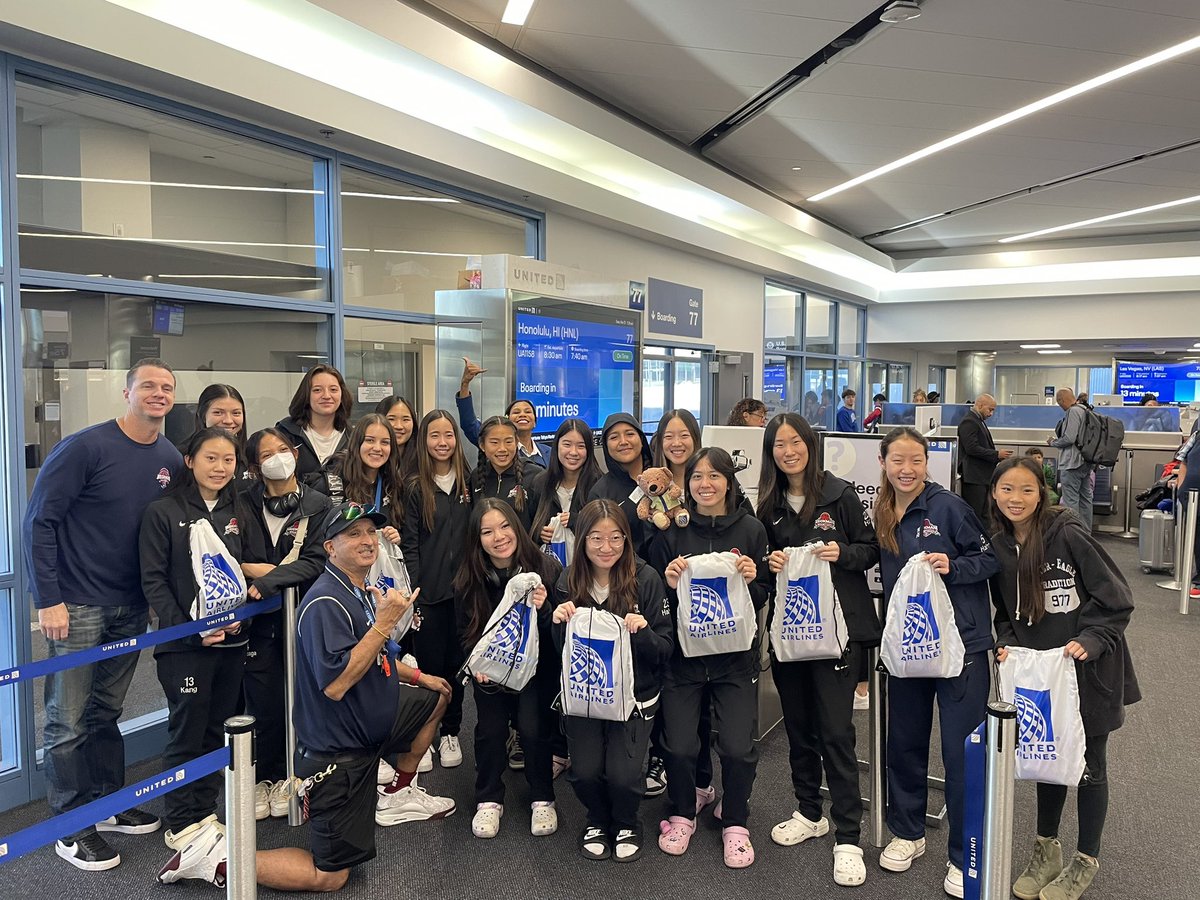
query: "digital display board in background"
575, 361
1170, 382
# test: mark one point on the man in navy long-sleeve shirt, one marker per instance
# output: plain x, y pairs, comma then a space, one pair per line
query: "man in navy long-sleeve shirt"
81, 551
847, 418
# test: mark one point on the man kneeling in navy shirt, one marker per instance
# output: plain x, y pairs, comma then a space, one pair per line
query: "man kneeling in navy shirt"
355, 704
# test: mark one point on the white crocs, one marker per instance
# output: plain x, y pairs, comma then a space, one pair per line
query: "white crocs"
486, 823
798, 829
849, 870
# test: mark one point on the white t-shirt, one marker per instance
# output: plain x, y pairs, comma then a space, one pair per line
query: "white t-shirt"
599, 594
211, 504
445, 482
324, 447
565, 495
795, 501
274, 524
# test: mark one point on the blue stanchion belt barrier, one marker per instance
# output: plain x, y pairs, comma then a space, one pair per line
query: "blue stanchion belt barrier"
134, 644
974, 789
75, 820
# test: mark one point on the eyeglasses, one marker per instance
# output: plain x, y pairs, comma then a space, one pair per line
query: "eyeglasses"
760, 416
596, 541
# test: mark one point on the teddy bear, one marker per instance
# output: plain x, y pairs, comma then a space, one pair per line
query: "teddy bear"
659, 499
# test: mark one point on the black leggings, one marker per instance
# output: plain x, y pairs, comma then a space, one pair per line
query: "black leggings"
1092, 799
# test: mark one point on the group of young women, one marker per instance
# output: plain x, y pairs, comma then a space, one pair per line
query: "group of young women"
464, 532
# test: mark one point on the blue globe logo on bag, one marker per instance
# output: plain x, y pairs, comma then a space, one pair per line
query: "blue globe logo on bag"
558, 549
802, 610
221, 590
509, 640
590, 677
1036, 722
709, 612
384, 583
922, 638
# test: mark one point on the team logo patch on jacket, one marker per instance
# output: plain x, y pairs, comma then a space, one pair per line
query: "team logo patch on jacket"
928, 529
164, 477
232, 527
293, 529
825, 522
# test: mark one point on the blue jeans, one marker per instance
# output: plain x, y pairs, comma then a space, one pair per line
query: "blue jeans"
1077, 492
85, 753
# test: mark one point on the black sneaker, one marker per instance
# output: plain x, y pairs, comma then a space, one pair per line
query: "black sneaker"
132, 821
516, 755
88, 851
656, 778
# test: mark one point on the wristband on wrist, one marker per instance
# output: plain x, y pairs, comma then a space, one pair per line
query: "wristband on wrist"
379, 631
416, 677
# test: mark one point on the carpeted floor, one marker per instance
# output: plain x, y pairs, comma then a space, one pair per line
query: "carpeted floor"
1153, 818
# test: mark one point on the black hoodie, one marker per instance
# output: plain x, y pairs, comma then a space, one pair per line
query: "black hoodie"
259, 548
1087, 600
308, 466
838, 517
616, 484
432, 556
651, 646
487, 482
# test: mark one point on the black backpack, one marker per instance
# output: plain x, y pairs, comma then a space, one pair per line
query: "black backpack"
1100, 438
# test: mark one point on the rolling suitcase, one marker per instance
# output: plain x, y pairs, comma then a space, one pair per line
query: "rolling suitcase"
1156, 541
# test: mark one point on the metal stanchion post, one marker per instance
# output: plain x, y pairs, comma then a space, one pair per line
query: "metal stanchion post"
877, 751
1128, 532
295, 812
996, 874
1173, 584
1185, 553
241, 875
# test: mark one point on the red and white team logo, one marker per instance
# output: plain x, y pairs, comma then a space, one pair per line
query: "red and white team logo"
232, 527
928, 529
825, 522
293, 530
164, 477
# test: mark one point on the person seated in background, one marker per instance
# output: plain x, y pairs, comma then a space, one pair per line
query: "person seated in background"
748, 411
847, 418
934, 397
1035, 454
1148, 400
871, 422
919, 396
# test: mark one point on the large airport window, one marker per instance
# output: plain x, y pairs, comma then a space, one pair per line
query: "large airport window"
402, 243
385, 359
820, 325
852, 322
782, 321
110, 189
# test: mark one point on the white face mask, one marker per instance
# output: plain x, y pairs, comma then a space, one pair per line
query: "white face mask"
279, 467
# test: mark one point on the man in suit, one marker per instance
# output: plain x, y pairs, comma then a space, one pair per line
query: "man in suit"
977, 454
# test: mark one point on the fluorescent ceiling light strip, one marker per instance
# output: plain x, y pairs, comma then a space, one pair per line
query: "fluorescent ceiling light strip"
134, 182
250, 277
408, 252
1017, 114
1052, 352
399, 197
1040, 346
516, 12
1098, 219
104, 237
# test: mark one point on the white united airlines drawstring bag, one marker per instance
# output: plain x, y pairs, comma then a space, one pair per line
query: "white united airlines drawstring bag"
562, 541
389, 571
219, 580
507, 651
597, 667
716, 614
807, 622
920, 637
1043, 687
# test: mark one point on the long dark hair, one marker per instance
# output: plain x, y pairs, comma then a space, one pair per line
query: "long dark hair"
187, 478
689, 422
422, 478
406, 453
358, 484
773, 484
252, 445
484, 467
211, 395
722, 462
589, 473
1032, 557
476, 571
886, 520
299, 409
622, 578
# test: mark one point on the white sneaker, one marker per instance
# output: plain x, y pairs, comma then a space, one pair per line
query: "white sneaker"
953, 884
411, 804
426, 763
386, 773
281, 796
486, 823
545, 819
177, 841
262, 800
204, 857
450, 752
849, 870
898, 855
798, 829
862, 701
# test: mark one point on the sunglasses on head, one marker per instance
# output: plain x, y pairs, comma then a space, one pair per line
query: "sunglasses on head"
355, 511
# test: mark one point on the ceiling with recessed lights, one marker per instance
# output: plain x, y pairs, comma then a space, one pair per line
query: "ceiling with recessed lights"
681, 67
